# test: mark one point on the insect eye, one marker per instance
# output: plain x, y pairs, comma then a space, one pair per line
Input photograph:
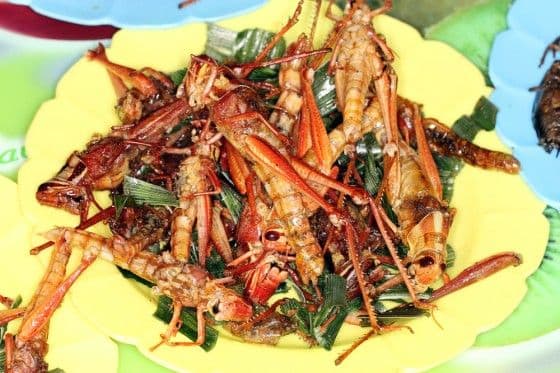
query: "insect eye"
272, 235
426, 261
215, 309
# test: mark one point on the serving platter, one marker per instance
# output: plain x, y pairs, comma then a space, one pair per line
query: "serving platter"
140, 14
71, 339
514, 69
487, 221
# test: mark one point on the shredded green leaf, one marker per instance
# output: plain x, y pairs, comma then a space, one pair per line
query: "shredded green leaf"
127, 274
450, 262
120, 201
164, 312
466, 128
300, 314
219, 43
331, 314
449, 168
177, 76
372, 172
157, 247
250, 42
232, 200
144, 193
483, 117
484, 114
17, 302
3, 328
324, 90
324, 324
400, 294
403, 312
215, 265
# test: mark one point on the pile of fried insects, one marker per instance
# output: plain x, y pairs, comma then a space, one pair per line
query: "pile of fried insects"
259, 169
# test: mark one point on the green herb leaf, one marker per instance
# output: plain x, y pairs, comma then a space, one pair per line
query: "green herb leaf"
164, 312
144, 193
232, 200
484, 114
56, 370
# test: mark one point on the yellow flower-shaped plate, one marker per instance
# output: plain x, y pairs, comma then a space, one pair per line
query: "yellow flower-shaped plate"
495, 212
74, 345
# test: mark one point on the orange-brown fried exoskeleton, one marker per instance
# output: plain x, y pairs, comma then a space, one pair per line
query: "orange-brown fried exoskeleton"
101, 166
187, 285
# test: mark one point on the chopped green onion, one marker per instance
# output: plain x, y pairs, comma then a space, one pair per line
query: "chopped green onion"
484, 114
219, 42
448, 168
177, 76
466, 128
263, 73
250, 42
331, 120
400, 294
407, 311
450, 262
120, 201
483, 117
127, 274
3, 328
164, 312
324, 90
232, 200
193, 257
331, 314
17, 302
321, 326
379, 308
552, 252
299, 313
144, 193
372, 172
157, 247
282, 288
215, 265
